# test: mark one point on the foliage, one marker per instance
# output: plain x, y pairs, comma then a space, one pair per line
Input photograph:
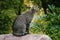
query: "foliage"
47, 23
15, 4
6, 19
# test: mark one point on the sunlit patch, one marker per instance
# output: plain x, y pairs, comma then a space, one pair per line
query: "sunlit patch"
28, 3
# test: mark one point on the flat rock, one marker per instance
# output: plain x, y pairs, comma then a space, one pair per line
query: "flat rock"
26, 37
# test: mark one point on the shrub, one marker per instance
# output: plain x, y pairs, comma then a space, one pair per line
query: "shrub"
47, 23
6, 19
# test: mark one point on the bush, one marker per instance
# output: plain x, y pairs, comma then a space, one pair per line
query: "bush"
47, 23
6, 19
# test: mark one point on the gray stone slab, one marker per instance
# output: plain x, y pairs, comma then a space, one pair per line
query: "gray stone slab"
26, 37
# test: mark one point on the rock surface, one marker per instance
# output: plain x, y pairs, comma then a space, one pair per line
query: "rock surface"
26, 37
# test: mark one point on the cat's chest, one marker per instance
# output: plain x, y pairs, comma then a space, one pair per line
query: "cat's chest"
29, 19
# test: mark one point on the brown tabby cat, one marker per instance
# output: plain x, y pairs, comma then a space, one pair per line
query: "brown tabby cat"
21, 24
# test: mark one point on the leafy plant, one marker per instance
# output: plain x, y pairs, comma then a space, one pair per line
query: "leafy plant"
49, 24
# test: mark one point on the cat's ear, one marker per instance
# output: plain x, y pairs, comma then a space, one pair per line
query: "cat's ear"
35, 7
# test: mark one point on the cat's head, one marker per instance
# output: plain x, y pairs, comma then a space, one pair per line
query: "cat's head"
35, 8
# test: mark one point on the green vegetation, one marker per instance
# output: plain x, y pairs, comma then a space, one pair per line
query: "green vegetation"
48, 24
42, 23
